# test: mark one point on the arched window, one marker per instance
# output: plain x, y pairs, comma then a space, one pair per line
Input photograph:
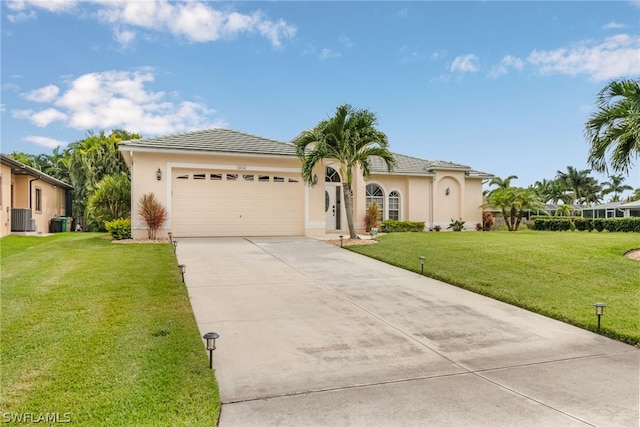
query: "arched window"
330, 175
394, 205
374, 194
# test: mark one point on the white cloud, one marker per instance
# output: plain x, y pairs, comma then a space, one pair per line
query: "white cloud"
465, 64
615, 57
614, 26
346, 42
44, 141
44, 94
120, 99
506, 63
196, 21
328, 54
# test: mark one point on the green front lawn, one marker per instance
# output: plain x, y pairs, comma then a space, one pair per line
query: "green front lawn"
558, 274
100, 333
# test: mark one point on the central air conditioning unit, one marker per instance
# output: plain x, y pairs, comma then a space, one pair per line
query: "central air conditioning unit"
21, 220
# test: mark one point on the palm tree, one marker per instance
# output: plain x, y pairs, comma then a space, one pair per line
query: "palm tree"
614, 129
350, 137
583, 188
615, 185
513, 202
552, 191
501, 183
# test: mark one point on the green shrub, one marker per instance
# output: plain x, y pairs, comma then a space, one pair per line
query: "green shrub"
456, 225
392, 225
613, 225
119, 228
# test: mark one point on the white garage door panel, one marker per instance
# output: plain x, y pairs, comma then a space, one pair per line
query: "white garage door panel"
205, 207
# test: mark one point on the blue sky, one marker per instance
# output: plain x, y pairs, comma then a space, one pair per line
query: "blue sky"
504, 87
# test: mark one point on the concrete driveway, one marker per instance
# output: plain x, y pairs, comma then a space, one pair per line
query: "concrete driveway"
314, 335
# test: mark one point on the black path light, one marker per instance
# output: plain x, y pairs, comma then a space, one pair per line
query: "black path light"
183, 268
341, 240
175, 246
170, 236
599, 310
422, 258
211, 338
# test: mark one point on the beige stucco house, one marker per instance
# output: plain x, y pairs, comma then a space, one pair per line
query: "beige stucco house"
221, 182
29, 198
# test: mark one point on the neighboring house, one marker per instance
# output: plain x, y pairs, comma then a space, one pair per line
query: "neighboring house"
221, 182
30, 198
613, 210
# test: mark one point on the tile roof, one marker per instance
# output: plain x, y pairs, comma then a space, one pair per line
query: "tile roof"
407, 165
231, 141
215, 140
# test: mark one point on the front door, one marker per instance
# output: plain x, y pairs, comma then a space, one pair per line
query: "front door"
332, 206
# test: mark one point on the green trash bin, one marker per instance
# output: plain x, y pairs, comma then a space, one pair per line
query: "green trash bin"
63, 223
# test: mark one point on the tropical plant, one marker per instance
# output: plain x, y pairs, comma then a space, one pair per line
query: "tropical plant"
552, 191
583, 188
350, 137
513, 202
456, 225
615, 187
502, 182
111, 200
635, 196
90, 160
487, 220
372, 217
119, 229
153, 214
613, 130
564, 210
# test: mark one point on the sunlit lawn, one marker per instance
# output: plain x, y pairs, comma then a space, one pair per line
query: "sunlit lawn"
100, 333
558, 274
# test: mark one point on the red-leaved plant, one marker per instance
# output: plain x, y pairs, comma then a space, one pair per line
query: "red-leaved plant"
153, 213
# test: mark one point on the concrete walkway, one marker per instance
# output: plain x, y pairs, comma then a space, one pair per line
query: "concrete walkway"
314, 335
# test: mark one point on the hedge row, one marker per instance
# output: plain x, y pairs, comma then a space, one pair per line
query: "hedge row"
391, 225
631, 224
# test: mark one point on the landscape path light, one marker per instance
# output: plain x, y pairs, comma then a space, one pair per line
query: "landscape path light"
175, 246
170, 236
422, 258
183, 268
599, 310
211, 345
341, 240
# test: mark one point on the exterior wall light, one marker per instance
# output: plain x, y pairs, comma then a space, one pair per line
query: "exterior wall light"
183, 269
447, 191
341, 240
159, 174
211, 345
599, 310
422, 258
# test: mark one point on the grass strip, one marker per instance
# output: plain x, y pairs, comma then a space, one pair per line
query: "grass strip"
101, 332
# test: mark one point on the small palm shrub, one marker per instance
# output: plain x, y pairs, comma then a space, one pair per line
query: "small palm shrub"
119, 228
487, 220
456, 225
153, 214
372, 217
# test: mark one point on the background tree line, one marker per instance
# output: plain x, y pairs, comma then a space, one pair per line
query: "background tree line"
97, 172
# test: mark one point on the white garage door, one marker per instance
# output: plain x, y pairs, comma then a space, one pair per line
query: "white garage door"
232, 203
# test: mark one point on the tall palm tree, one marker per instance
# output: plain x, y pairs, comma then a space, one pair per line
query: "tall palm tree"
613, 130
615, 186
582, 186
351, 138
552, 191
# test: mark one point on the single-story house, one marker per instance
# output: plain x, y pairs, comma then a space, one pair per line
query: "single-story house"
613, 210
29, 198
221, 182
